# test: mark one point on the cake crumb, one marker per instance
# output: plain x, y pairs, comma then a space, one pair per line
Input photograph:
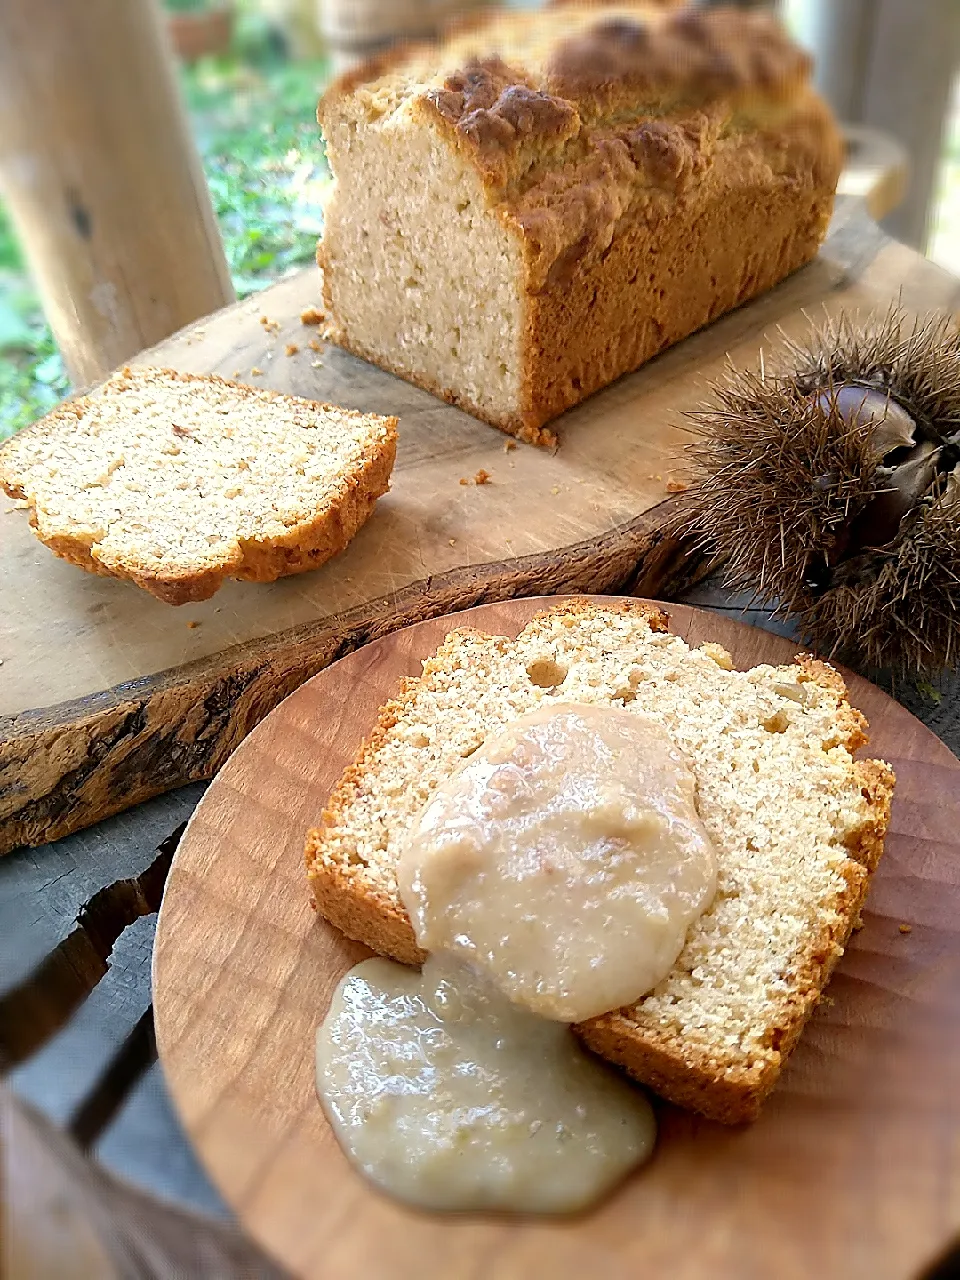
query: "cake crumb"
482, 477
256, 372
312, 315
452, 541
906, 928
291, 349
314, 345
676, 486
510, 446
265, 320
464, 480
193, 624
316, 364
555, 490
236, 373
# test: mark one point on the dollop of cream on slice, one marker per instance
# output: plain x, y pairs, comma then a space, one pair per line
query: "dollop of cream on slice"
449, 1097
565, 859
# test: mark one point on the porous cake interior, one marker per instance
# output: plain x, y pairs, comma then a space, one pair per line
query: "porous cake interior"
426, 278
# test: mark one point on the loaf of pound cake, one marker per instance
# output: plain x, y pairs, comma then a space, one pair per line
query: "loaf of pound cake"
545, 200
798, 824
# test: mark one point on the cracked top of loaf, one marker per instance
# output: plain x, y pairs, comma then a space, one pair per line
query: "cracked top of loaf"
575, 114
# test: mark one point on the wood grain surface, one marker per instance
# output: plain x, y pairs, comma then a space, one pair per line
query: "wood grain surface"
853, 1170
108, 696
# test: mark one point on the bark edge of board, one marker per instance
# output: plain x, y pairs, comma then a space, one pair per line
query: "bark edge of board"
68, 766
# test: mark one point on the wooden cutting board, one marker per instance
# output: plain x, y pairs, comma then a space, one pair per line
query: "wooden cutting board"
851, 1173
108, 696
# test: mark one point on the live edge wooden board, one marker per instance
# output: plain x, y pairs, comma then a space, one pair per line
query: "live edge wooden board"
108, 696
852, 1171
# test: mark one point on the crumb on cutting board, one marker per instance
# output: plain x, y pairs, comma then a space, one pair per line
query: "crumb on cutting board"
312, 315
193, 624
291, 349
256, 372
906, 928
676, 486
509, 446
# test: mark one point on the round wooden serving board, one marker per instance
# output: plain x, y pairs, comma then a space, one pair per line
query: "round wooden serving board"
853, 1170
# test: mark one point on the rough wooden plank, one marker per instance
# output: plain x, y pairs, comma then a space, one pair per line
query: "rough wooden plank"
62, 1074
145, 703
72, 1019
147, 1147
43, 890
65, 1217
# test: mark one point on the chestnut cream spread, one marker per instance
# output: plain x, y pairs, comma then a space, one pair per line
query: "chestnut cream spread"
565, 860
450, 1097
551, 878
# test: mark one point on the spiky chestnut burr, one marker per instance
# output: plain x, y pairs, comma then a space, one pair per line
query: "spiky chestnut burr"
830, 486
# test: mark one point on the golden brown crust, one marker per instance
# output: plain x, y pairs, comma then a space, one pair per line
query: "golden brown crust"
641, 64
603, 314
693, 56
303, 547
692, 1079
652, 1054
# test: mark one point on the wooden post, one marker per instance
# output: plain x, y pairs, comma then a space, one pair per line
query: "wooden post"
889, 64
914, 61
102, 179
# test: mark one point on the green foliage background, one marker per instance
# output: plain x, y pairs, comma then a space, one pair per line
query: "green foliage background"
254, 119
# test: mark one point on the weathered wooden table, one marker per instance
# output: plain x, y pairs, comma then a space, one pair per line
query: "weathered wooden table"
91, 1069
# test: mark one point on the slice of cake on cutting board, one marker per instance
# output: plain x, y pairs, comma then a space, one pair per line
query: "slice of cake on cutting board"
177, 481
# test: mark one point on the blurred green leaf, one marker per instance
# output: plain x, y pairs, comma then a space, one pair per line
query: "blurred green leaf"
15, 333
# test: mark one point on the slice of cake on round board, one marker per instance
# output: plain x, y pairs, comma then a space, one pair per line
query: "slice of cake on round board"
797, 822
